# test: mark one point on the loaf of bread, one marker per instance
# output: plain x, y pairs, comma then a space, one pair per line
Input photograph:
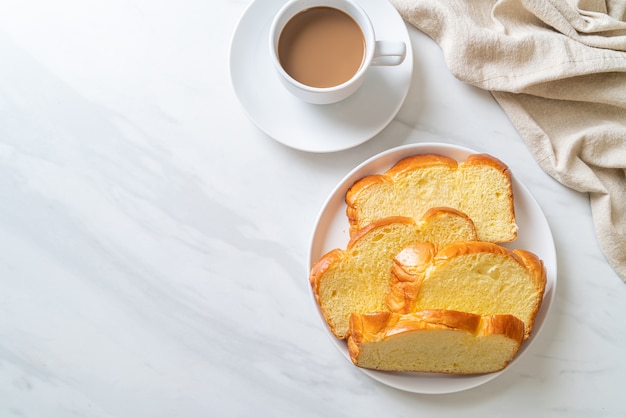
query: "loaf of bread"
357, 279
476, 277
438, 341
480, 187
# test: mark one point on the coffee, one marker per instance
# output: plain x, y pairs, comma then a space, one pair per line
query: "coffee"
321, 47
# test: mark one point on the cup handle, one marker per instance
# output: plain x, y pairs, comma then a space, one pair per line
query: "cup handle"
388, 53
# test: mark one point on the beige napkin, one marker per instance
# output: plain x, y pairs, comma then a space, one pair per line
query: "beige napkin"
558, 69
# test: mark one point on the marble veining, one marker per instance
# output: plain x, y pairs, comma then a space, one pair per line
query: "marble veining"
153, 241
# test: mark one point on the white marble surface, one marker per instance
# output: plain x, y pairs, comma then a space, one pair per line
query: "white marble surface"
153, 240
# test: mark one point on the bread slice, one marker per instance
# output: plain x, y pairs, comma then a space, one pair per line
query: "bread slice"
480, 187
357, 279
436, 341
476, 277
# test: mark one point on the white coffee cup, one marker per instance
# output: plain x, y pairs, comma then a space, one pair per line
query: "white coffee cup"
376, 52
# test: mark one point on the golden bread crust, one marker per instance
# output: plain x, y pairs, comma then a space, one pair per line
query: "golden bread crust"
436, 211
472, 247
416, 162
407, 272
352, 197
321, 266
536, 266
486, 159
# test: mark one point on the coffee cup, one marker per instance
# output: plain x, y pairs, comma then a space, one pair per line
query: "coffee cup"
322, 49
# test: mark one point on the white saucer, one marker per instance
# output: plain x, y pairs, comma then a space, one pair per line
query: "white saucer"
331, 231
308, 127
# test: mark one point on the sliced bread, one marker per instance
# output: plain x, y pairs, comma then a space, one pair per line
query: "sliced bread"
476, 277
357, 279
437, 341
480, 187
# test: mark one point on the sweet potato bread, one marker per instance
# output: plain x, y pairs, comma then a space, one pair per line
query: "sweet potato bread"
439, 341
480, 187
476, 277
357, 279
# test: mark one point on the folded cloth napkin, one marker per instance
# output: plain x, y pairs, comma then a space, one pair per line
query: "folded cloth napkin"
558, 69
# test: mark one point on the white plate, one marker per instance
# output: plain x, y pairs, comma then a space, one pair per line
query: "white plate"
309, 127
331, 231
